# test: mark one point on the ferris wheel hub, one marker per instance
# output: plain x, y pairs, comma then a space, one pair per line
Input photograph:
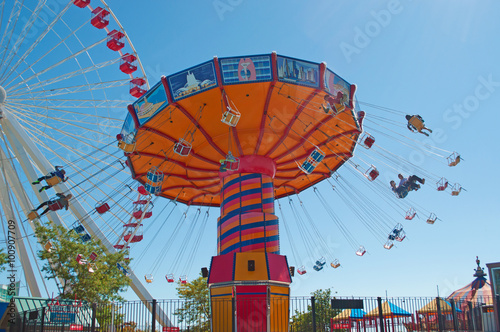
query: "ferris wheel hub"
3, 95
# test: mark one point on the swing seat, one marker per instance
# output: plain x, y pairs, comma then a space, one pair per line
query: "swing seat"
401, 237
79, 229
128, 148
148, 278
388, 245
102, 208
93, 256
48, 246
121, 268
368, 142
92, 267
321, 261
410, 214
232, 163
317, 155
182, 148
33, 215
170, 278
442, 184
80, 260
231, 117
154, 175
361, 251
55, 206
453, 159
432, 219
372, 173
307, 167
455, 191
317, 268
142, 190
335, 264
53, 180
301, 270
85, 238
152, 189
183, 279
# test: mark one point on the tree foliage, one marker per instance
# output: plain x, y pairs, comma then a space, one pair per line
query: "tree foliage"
195, 310
74, 279
303, 321
4, 260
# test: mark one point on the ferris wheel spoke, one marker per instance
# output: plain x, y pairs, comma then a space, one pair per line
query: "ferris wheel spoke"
59, 129
35, 43
11, 24
57, 103
76, 89
59, 63
62, 42
85, 172
45, 83
24, 32
106, 122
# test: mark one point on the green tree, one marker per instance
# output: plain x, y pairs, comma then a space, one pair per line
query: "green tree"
101, 286
302, 321
195, 311
4, 260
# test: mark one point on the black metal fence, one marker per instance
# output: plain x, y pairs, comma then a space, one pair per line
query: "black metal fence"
244, 315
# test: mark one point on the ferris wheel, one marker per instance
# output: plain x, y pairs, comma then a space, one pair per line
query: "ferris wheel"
67, 73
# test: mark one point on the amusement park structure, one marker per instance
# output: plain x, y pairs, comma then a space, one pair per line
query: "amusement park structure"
239, 133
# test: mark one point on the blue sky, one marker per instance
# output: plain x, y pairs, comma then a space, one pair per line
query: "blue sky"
438, 59
435, 58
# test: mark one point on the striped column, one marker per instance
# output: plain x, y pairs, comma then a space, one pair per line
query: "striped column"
247, 222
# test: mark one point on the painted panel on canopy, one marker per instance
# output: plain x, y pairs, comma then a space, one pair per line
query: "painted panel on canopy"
150, 103
335, 83
192, 81
128, 130
298, 71
246, 69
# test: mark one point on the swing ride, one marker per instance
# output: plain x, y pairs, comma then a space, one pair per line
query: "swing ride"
239, 133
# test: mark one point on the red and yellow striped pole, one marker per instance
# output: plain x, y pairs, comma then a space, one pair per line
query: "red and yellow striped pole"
249, 280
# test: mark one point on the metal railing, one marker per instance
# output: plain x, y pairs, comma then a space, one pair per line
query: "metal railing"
367, 314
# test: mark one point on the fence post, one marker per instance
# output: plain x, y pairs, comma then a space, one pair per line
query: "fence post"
43, 320
313, 312
233, 314
380, 313
471, 313
497, 310
454, 314
440, 320
94, 311
153, 318
24, 322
